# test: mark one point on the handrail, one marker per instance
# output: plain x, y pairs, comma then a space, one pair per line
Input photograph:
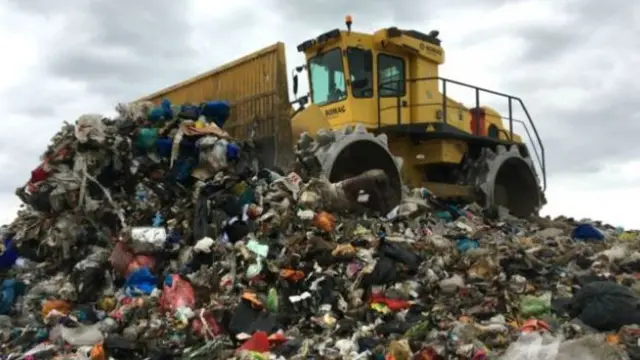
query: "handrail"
540, 157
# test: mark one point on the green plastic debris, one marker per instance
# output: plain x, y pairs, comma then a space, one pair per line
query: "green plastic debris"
418, 330
146, 138
535, 306
272, 300
259, 249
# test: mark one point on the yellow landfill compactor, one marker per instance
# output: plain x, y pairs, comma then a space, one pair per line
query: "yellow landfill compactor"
376, 101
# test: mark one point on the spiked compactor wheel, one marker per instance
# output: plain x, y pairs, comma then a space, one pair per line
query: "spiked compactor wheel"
342, 154
506, 178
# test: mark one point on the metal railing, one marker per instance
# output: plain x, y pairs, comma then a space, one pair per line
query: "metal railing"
540, 156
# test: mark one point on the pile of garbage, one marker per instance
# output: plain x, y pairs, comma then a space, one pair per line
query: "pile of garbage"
155, 235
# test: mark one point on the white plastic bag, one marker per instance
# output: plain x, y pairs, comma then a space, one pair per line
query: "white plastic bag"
533, 346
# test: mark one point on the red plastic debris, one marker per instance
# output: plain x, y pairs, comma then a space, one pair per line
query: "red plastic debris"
39, 174
202, 331
177, 293
125, 262
259, 342
392, 304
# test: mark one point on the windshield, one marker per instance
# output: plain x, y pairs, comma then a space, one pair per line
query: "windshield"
327, 78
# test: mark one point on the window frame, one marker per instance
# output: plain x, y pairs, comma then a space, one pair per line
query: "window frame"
344, 77
372, 73
403, 75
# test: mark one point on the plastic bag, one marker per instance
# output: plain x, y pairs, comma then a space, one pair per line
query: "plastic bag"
535, 306
177, 293
533, 346
536, 346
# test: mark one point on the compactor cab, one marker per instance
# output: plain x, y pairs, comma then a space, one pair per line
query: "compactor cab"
388, 83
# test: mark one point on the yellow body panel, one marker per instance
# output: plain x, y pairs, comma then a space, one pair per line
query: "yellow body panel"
311, 120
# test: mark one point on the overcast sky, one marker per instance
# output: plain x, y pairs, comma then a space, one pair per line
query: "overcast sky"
573, 62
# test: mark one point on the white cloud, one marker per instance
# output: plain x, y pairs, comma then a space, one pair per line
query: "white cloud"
492, 44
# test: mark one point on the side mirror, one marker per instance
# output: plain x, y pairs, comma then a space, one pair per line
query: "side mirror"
295, 85
360, 83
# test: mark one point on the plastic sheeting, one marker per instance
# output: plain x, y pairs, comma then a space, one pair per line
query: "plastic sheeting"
536, 346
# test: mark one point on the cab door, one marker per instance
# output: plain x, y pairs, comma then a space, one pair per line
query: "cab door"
393, 90
361, 69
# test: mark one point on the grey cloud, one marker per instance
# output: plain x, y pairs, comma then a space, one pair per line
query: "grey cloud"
330, 13
590, 21
587, 54
119, 48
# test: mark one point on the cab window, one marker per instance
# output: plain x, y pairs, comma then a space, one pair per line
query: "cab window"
360, 72
327, 77
391, 75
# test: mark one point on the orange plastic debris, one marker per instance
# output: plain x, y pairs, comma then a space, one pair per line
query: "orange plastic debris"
324, 221
58, 305
534, 325
344, 250
252, 298
292, 275
97, 352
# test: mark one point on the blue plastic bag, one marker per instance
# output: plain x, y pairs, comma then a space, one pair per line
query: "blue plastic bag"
233, 151
216, 111
587, 232
141, 281
465, 244
9, 255
9, 291
189, 111
164, 112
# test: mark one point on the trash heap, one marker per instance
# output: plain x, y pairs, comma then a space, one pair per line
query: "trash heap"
156, 236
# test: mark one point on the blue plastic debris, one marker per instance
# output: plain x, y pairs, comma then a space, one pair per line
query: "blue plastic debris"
163, 112
233, 151
216, 111
444, 215
182, 169
189, 111
141, 281
158, 220
164, 146
155, 115
173, 237
168, 281
167, 109
587, 232
465, 244
9, 256
141, 195
9, 291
